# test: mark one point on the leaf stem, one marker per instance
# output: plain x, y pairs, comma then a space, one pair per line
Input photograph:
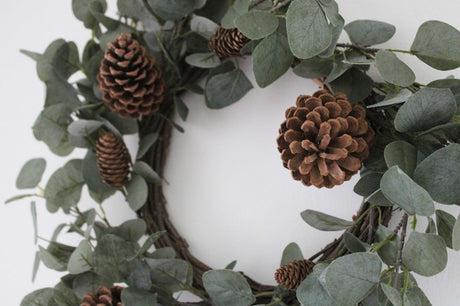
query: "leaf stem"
377, 246
262, 294
400, 248
280, 5
401, 51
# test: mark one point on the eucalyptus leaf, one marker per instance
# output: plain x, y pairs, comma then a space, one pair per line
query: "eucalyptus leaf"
393, 70
355, 84
402, 154
369, 32
144, 170
350, 278
82, 10
368, 184
445, 224
91, 176
431, 226
51, 261
231, 265
36, 265
84, 128
311, 291
257, 24
393, 98
145, 143
226, 88
292, 252
51, 128
80, 260
33, 211
420, 112
438, 174
19, 197
110, 257
336, 31
314, 67
436, 44
388, 253
181, 108
31, 173
339, 67
63, 189
393, 295
138, 297
323, 221
425, 254
456, 235
131, 230
148, 243
64, 296
89, 282
172, 9
308, 31
203, 60
40, 297
139, 275
33, 55
354, 245
171, 274
137, 192
125, 126
226, 287
163, 253
400, 189
203, 25
271, 59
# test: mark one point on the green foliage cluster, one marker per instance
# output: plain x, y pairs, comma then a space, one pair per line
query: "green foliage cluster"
414, 164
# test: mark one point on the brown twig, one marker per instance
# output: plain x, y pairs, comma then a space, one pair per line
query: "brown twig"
280, 5
363, 49
400, 248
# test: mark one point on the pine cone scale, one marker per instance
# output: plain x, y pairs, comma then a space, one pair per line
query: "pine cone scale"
291, 275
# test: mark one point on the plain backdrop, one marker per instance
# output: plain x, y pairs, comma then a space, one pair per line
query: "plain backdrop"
228, 193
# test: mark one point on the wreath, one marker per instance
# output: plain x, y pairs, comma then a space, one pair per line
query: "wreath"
401, 136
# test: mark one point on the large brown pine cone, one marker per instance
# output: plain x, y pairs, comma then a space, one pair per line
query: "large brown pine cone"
129, 79
103, 297
290, 276
324, 139
227, 43
113, 160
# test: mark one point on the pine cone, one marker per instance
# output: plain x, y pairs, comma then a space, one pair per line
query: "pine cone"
324, 139
113, 160
227, 43
103, 297
129, 79
290, 276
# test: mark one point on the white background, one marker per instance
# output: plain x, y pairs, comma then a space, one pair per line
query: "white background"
229, 195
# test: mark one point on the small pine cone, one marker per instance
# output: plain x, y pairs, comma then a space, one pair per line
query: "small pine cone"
291, 275
227, 43
130, 80
113, 160
324, 139
103, 297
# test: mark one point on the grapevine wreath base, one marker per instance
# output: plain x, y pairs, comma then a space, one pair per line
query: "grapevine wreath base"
401, 136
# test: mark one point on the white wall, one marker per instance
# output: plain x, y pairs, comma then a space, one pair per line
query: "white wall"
229, 195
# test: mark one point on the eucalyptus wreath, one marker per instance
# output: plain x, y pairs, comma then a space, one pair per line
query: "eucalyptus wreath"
401, 135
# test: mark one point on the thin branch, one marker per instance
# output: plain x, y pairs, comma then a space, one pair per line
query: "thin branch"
280, 5
400, 248
362, 49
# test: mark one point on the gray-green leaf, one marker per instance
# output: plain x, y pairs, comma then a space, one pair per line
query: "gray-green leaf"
40, 297
355, 84
226, 287
445, 225
138, 297
172, 274
80, 260
203, 60
456, 235
323, 221
144, 170
425, 109
308, 31
31, 173
314, 67
402, 154
400, 189
226, 88
311, 291
172, 9
438, 174
393, 70
436, 44
350, 278
257, 24
393, 98
292, 252
271, 59
369, 32
425, 254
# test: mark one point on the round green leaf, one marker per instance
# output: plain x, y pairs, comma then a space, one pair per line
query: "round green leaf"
137, 192
226, 88
138, 297
80, 259
145, 143
445, 225
311, 291
226, 287
31, 173
393, 70
271, 59
393, 294
425, 109
172, 9
456, 235
425, 254
257, 24
171, 274
144, 170
84, 127
400, 189
436, 44
291, 253
355, 84
438, 174
402, 154
350, 278
315, 67
203, 60
131, 230
323, 221
388, 253
393, 98
308, 31
39, 297
369, 32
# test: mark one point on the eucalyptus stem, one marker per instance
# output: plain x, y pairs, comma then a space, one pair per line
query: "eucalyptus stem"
400, 248
401, 51
391, 236
262, 294
104, 215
